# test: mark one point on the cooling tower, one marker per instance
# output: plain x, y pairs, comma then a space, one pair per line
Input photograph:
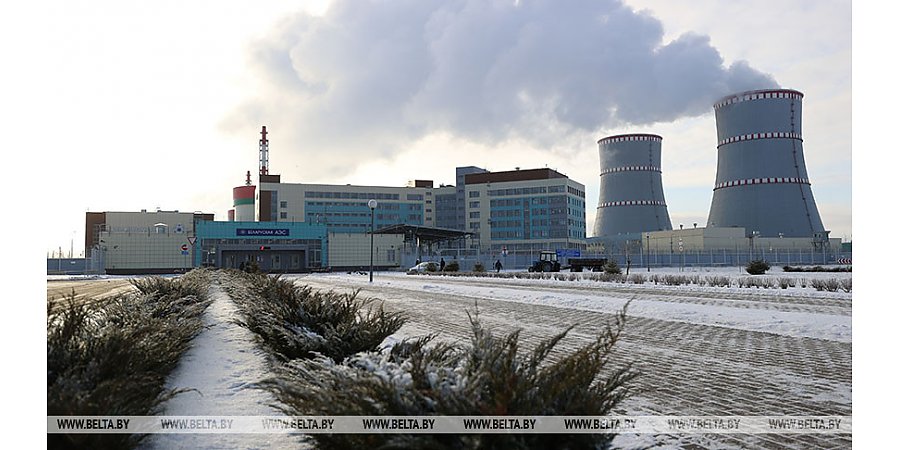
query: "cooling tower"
631, 193
761, 179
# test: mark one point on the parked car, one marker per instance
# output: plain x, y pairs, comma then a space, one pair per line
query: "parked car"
427, 266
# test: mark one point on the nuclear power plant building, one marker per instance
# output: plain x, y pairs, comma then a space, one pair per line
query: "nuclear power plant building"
631, 191
761, 179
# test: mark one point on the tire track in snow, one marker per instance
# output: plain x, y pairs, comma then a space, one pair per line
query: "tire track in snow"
687, 368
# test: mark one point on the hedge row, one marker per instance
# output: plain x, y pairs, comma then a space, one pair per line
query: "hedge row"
112, 356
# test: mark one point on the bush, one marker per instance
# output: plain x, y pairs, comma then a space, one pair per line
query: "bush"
452, 266
817, 269
112, 356
490, 376
612, 267
718, 281
757, 267
479, 267
296, 322
637, 278
786, 282
431, 267
847, 284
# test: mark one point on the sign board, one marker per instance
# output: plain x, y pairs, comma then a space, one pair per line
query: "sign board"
185, 252
263, 232
568, 252
192, 239
184, 247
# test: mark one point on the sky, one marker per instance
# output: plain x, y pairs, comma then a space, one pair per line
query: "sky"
142, 105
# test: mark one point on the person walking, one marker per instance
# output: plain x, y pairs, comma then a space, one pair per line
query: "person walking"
442, 264
498, 266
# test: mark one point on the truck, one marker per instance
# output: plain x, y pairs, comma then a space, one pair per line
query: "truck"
547, 262
593, 264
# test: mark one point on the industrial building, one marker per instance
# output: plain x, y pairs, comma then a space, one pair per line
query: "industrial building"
522, 212
141, 242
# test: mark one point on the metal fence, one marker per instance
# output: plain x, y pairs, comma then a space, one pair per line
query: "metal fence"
708, 258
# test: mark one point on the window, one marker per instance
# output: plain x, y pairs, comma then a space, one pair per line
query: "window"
475, 204
284, 204
475, 215
283, 215
474, 194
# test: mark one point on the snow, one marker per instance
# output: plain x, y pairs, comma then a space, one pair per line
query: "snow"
222, 365
720, 306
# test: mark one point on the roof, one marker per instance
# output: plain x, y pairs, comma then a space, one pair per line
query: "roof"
427, 235
513, 175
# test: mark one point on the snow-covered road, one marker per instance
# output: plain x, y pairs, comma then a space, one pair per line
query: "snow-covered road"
701, 351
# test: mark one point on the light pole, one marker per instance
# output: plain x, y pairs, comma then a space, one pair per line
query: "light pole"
648, 252
372, 205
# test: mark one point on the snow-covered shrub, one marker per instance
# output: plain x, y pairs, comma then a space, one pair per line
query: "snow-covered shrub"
718, 280
451, 266
757, 267
297, 321
637, 278
830, 285
112, 356
491, 375
847, 284
785, 282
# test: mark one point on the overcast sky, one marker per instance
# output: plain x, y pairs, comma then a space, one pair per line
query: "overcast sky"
129, 106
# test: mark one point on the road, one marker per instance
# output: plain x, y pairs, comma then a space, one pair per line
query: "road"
91, 290
686, 368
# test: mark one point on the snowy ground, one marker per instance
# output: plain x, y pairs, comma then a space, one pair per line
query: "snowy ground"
221, 365
701, 350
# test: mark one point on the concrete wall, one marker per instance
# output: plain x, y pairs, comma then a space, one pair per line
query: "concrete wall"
146, 241
353, 250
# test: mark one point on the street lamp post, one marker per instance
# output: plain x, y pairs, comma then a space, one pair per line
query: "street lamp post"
648, 252
372, 205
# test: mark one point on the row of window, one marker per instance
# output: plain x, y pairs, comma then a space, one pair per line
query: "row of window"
381, 206
362, 195
576, 192
541, 234
526, 191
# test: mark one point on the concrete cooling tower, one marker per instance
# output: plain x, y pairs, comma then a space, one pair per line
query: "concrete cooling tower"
761, 179
631, 192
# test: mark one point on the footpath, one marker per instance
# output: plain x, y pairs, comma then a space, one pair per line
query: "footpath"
220, 368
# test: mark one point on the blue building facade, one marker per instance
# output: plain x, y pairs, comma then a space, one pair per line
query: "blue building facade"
274, 246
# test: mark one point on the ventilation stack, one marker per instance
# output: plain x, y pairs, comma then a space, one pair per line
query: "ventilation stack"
631, 193
761, 179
